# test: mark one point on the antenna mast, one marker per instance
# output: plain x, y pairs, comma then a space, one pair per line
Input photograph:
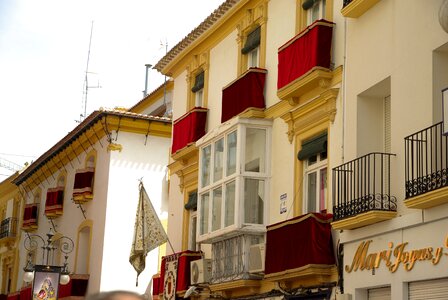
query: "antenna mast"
86, 82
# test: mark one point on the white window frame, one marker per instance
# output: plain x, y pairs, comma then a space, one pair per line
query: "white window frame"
199, 98
321, 165
253, 58
238, 125
321, 6
192, 241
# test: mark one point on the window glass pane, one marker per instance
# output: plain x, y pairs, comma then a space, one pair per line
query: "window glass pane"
193, 224
204, 213
253, 201
216, 209
231, 153
322, 189
217, 169
252, 58
311, 191
205, 170
198, 98
255, 150
229, 218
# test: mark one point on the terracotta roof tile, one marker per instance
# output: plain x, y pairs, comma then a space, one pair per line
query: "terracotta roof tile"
195, 33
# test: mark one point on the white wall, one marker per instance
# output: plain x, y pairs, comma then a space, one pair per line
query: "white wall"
134, 162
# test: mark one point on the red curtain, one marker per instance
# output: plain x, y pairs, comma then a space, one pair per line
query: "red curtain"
246, 91
77, 286
83, 182
183, 270
26, 293
54, 201
299, 242
30, 215
308, 49
156, 285
14, 296
189, 128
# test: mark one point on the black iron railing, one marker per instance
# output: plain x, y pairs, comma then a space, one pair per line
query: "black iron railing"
346, 2
426, 164
363, 185
8, 228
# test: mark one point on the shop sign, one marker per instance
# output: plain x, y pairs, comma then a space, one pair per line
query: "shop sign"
395, 256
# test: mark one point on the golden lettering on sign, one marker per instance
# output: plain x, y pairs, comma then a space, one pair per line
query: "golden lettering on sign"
393, 257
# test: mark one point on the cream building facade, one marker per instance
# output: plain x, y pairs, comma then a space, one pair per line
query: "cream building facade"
257, 129
393, 224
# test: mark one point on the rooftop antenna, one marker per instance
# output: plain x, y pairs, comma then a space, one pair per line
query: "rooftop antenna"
164, 83
145, 92
86, 81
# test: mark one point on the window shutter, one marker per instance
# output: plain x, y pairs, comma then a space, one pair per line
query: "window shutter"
387, 123
192, 201
198, 83
307, 4
313, 146
252, 41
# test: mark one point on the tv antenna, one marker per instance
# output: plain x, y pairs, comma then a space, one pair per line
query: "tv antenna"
86, 86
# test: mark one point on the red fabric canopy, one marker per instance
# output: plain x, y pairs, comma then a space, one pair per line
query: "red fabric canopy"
14, 296
299, 242
244, 92
189, 128
83, 185
309, 49
30, 215
77, 286
54, 201
25, 293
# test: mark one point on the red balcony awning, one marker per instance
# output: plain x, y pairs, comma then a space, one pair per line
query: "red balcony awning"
30, 217
310, 48
83, 185
244, 92
77, 286
298, 242
183, 270
54, 202
189, 128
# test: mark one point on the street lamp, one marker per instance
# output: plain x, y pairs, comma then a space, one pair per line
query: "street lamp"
63, 244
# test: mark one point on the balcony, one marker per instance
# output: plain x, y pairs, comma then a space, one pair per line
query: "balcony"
189, 128
8, 229
361, 192
30, 215
426, 168
83, 186
231, 274
304, 61
54, 202
356, 8
299, 251
177, 265
247, 91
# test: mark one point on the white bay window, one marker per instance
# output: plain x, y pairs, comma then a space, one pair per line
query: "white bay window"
234, 174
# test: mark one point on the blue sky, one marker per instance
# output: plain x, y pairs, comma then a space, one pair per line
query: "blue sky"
43, 56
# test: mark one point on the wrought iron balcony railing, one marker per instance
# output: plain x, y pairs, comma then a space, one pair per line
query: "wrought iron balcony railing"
426, 165
363, 185
8, 228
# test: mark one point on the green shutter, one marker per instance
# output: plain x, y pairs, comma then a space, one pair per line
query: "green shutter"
313, 146
307, 4
192, 201
252, 41
198, 83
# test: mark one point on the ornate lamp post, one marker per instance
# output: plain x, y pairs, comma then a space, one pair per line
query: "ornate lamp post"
49, 247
